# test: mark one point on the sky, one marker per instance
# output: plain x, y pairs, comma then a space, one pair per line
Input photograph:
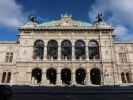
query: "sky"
14, 13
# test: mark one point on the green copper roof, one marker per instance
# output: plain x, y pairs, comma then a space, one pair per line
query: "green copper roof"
56, 23
50, 23
65, 21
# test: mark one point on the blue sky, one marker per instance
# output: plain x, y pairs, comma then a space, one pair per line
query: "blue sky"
14, 13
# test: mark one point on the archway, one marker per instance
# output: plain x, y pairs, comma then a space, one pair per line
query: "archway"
38, 49
37, 74
80, 76
93, 49
95, 76
52, 49
80, 49
66, 49
66, 76
51, 75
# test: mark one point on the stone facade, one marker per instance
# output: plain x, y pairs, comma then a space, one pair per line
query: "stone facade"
19, 67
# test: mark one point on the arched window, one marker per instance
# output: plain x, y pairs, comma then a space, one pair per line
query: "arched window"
52, 49
37, 75
80, 49
80, 76
93, 50
66, 76
95, 76
38, 49
51, 75
66, 49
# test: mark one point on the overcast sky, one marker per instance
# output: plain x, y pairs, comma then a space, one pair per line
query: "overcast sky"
14, 13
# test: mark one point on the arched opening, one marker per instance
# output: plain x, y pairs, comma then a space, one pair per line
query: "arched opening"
38, 49
52, 49
80, 49
93, 50
123, 77
51, 75
80, 76
95, 76
66, 76
128, 77
66, 49
37, 75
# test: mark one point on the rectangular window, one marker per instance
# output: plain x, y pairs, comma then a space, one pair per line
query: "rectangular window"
9, 57
3, 77
6, 77
126, 77
123, 57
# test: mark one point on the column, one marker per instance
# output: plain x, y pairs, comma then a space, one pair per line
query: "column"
102, 74
44, 78
32, 80
45, 51
28, 77
73, 77
87, 51
73, 51
59, 50
59, 81
88, 82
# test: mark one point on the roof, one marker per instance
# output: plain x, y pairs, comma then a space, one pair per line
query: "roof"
8, 42
65, 22
124, 42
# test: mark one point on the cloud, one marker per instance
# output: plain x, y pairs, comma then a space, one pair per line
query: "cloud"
11, 14
120, 30
117, 12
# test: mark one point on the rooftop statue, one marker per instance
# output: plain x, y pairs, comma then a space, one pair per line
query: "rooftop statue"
66, 16
99, 18
32, 19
